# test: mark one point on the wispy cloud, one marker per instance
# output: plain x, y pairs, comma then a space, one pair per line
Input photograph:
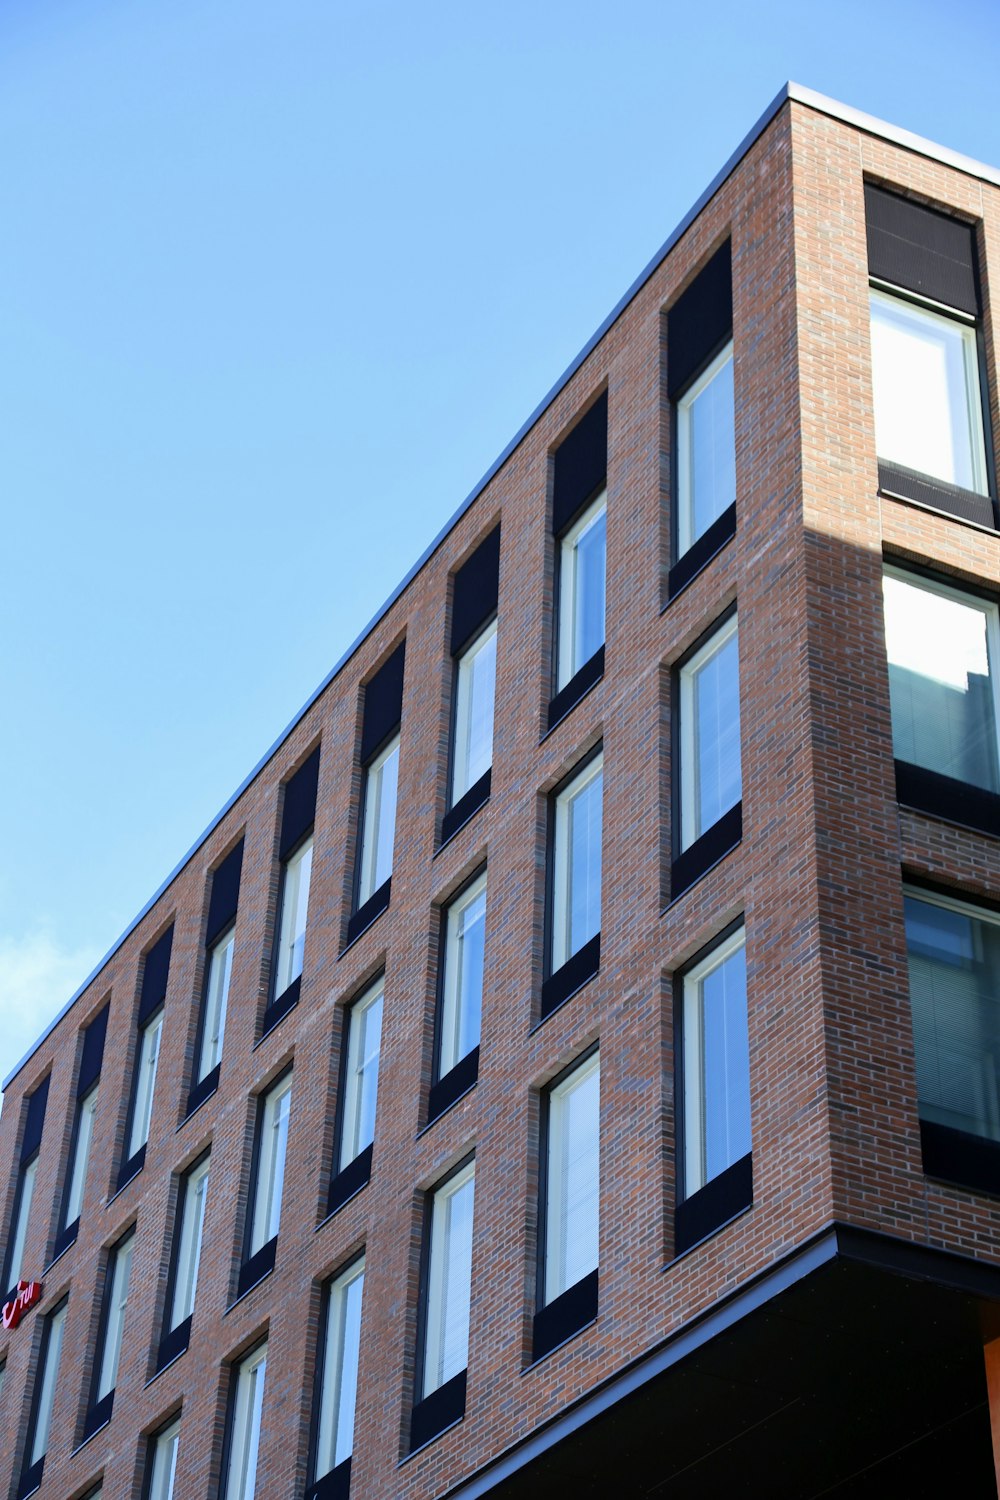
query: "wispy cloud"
37, 977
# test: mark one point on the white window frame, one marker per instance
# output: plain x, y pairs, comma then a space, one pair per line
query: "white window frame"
339, 1375
562, 862
83, 1135
467, 768
371, 877
163, 1462
685, 406
693, 1060
296, 874
571, 591
46, 1388
449, 1285
118, 1276
689, 724
272, 1146
247, 1403
194, 1192
565, 1222
219, 970
454, 1006
361, 1070
150, 1037
952, 318
19, 1229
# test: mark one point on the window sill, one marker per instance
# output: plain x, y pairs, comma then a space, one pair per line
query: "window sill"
437, 1412
278, 1009
455, 1084
716, 1204
701, 552
913, 488
571, 977
946, 798
173, 1345
97, 1417
694, 863
333, 1486
575, 690
564, 1317
348, 1182
254, 1271
65, 1240
465, 808
956, 1156
202, 1092
365, 915
128, 1171
30, 1480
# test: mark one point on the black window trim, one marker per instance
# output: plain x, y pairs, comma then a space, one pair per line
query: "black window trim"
170, 1346
254, 1267
335, 1484
424, 1408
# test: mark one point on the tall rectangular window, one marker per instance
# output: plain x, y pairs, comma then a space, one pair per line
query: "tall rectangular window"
446, 1306
715, 1093
338, 1380
474, 655
83, 1131
185, 1262
295, 849
579, 524
954, 959
17, 1234
220, 969
162, 1463
109, 1338
461, 996
83, 1134
43, 1400
295, 877
269, 1175
568, 1290
383, 704
472, 752
575, 874
943, 649
220, 937
706, 451
379, 821
582, 553
358, 1094
239, 1481
156, 969
708, 744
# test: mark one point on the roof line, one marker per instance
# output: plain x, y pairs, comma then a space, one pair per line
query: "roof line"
790, 91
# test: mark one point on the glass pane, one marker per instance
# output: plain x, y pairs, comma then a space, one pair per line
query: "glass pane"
220, 968
474, 697
707, 451
716, 1066
449, 1281
271, 1166
571, 1231
120, 1268
710, 734
380, 821
928, 413
576, 916
294, 906
164, 1463
15, 1257
335, 1440
463, 976
582, 567
941, 649
364, 1040
189, 1243
241, 1473
86, 1111
145, 1082
954, 956
47, 1386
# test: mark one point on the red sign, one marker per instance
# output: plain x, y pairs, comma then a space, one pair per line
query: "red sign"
28, 1293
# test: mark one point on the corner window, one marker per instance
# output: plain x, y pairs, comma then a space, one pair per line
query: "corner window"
709, 776
163, 1463
220, 968
245, 1407
706, 451
715, 1091
109, 1341
43, 1400
446, 1307
185, 1262
576, 863
339, 1378
379, 821
954, 959
943, 650
268, 1178
475, 690
461, 995
571, 1177
295, 874
582, 551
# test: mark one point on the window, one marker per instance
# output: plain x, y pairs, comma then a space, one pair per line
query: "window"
581, 590
359, 1092
163, 1463
269, 1174
943, 649
31, 1139
150, 1024
954, 959
185, 1262
246, 1402
292, 921
145, 1082
706, 451
446, 1307
575, 910
109, 1341
709, 779
715, 1091
568, 1289
43, 1401
381, 779
83, 1134
472, 754
295, 848
92, 1055
339, 1378
219, 944
220, 968
461, 994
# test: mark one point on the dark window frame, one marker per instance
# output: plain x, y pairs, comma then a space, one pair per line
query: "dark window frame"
420, 1431
548, 972
248, 1278
99, 1411
200, 1090
335, 1483
130, 1166
166, 1355
233, 1367
31, 1474
441, 1099
347, 1181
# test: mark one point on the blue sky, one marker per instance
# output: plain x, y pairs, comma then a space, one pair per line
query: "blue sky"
277, 283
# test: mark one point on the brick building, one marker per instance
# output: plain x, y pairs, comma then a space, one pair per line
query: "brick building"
573, 1055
